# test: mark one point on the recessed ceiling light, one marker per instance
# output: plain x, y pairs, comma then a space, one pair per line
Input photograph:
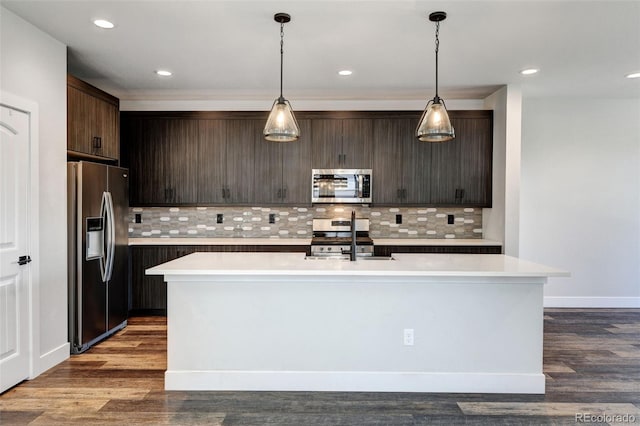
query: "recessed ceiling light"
164, 73
345, 72
529, 71
633, 75
103, 24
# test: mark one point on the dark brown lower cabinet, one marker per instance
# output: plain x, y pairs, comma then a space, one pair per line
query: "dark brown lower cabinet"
389, 250
148, 293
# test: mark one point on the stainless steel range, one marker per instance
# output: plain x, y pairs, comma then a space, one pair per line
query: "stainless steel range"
334, 238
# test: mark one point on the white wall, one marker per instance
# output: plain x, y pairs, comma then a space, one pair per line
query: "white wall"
580, 198
502, 221
33, 66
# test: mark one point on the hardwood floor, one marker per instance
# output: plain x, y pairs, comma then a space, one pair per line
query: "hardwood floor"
591, 359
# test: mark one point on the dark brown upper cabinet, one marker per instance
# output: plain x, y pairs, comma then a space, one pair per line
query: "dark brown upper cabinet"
216, 158
212, 162
409, 172
461, 169
342, 143
283, 169
242, 138
162, 157
400, 163
92, 121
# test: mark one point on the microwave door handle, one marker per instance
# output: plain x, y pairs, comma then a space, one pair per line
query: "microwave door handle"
360, 185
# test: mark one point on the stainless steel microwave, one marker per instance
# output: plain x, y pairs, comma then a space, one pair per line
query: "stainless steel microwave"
341, 186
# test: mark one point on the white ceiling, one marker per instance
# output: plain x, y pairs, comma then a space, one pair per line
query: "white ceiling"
230, 49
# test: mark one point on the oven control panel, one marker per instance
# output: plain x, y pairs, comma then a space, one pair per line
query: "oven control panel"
339, 250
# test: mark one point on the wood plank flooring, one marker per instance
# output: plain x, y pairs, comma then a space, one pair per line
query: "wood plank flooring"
591, 360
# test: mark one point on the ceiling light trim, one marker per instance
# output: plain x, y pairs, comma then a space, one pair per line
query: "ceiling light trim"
104, 24
529, 71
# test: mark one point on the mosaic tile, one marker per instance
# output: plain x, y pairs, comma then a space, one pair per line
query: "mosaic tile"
292, 222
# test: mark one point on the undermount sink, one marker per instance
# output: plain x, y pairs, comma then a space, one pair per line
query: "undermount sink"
326, 258
347, 258
377, 258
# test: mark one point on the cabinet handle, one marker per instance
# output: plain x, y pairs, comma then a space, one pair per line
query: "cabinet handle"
279, 193
224, 195
228, 193
284, 193
97, 142
168, 195
404, 193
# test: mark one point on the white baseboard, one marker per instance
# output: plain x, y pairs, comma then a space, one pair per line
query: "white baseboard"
592, 302
51, 359
355, 381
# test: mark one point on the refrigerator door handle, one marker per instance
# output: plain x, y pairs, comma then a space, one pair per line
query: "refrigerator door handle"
105, 258
111, 236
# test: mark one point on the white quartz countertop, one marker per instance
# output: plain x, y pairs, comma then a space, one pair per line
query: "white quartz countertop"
295, 264
306, 241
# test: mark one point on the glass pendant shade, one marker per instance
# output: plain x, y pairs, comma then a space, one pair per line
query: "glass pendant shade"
435, 125
281, 125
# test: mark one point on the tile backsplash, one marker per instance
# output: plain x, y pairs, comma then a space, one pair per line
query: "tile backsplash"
295, 222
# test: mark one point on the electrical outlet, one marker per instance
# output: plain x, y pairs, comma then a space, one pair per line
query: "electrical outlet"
138, 218
450, 219
219, 218
398, 219
408, 336
272, 218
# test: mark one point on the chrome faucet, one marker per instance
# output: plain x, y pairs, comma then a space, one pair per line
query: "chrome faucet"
354, 246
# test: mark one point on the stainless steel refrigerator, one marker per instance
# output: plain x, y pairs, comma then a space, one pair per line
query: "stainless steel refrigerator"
98, 199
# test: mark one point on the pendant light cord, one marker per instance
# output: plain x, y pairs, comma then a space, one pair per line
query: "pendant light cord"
281, 55
437, 48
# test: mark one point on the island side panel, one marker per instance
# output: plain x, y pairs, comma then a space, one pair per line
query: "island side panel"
346, 333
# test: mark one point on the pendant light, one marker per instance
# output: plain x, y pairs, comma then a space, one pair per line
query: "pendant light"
281, 125
435, 125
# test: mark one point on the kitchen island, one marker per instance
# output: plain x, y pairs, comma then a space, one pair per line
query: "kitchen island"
417, 323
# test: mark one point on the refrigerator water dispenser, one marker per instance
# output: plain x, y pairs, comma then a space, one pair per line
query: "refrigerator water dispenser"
95, 238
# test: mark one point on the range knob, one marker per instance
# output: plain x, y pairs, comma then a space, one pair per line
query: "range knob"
321, 248
329, 248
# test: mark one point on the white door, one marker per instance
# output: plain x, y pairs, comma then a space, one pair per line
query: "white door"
14, 277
